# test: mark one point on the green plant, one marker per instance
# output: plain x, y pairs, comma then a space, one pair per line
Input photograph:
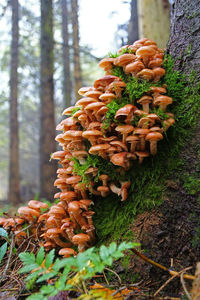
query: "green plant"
3, 248
68, 274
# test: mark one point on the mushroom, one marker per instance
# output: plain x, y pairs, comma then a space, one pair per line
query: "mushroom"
85, 89
106, 63
134, 68
81, 241
124, 130
92, 135
80, 155
54, 234
146, 74
92, 108
145, 101
145, 53
141, 155
124, 59
158, 73
125, 114
133, 140
122, 159
37, 205
68, 196
75, 213
102, 83
162, 101
117, 87
67, 252
141, 133
107, 97
119, 146
93, 94
153, 138
99, 149
28, 213
104, 190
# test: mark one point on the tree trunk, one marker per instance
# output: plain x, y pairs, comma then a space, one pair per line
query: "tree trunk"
76, 48
154, 20
14, 181
171, 232
184, 42
47, 122
66, 55
133, 23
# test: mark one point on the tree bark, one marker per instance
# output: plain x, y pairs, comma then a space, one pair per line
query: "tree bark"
47, 121
76, 48
171, 232
184, 42
133, 23
66, 55
14, 180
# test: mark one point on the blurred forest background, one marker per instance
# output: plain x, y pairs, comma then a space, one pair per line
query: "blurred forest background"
45, 57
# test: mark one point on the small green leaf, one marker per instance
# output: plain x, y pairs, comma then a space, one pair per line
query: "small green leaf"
108, 261
47, 289
60, 283
49, 258
28, 268
40, 256
3, 233
112, 247
33, 275
46, 276
103, 252
3, 250
27, 258
61, 263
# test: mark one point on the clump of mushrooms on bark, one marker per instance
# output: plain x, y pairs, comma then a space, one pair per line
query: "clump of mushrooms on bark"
68, 224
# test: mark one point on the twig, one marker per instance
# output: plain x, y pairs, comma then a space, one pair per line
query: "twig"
118, 291
150, 261
169, 280
106, 280
184, 286
24, 229
9, 257
120, 281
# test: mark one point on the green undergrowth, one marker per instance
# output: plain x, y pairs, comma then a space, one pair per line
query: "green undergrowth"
113, 217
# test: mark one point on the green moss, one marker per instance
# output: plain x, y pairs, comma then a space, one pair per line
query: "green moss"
191, 184
74, 110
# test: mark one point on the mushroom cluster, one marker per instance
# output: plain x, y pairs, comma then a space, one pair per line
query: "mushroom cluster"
131, 136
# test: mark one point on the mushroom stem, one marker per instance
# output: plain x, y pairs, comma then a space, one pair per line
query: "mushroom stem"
153, 147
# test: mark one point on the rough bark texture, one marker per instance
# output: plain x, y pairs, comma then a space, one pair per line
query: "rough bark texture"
14, 181
47, 122
66, 55
133, 23
154, 20
76, 48
172, 230
184, 42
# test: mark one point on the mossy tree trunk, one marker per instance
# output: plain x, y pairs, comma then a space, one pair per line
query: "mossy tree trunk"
66, 55
172, 230
14, 181
163, 206
76, 48
47, 120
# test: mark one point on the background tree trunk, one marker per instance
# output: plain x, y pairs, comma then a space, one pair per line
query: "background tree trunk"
76, 48
66, 55
154, 20
14, 181
133, 23
47, 122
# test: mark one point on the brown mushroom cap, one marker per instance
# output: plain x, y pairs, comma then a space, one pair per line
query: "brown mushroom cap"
134, 67
84, 90
146, 74
28, 212
125, 112
80, 238
58, 155
73, 179
105, 81
162, 101
67, 252
92, 133
154, 136
124, 59
145, 51
70, 134
37, 204
93, 94
68, 196
106, 63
